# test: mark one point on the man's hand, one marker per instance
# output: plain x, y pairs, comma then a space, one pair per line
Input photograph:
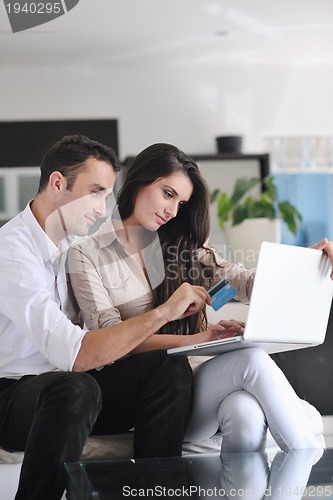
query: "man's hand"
326, 246
186, 300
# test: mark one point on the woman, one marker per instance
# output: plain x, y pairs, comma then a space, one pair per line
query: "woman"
154, 242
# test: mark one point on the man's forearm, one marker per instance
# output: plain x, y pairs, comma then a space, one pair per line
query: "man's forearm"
105, 345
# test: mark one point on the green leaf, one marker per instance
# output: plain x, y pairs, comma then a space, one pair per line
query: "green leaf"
235, 208
213, 195
266, 198
271, 190
242, 186
224, 206
290, 215
264, 208
240, 213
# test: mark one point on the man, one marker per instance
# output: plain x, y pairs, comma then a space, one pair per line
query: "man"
50, 399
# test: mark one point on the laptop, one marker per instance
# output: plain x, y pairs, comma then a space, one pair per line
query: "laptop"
290, 303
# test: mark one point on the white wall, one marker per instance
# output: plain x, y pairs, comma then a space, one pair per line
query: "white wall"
185, 105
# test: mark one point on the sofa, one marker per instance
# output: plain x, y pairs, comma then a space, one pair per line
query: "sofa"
120, 446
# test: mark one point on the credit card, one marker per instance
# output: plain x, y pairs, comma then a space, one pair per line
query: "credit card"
221, 294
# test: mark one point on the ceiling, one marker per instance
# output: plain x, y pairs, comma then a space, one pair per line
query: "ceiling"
194, 32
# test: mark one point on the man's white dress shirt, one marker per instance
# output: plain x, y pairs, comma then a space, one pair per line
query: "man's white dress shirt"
39, 329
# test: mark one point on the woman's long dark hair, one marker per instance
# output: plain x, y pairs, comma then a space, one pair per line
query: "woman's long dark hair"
183, 235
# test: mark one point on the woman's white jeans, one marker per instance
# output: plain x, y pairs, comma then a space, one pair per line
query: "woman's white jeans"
242, 392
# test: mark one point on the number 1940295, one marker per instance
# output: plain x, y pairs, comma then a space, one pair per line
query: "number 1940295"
35, 8
310, 491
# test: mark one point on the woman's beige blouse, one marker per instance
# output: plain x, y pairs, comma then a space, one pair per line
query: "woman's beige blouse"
110, 286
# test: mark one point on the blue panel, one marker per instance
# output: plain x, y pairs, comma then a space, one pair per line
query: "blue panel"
312, 195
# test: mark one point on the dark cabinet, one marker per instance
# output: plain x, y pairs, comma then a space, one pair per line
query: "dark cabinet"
310, 371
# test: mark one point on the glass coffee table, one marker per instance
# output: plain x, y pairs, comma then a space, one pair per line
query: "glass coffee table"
251, 476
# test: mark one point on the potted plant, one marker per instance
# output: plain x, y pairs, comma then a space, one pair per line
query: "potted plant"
248, 220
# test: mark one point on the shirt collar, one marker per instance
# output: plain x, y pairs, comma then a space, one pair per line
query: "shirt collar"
106, 234
50, 251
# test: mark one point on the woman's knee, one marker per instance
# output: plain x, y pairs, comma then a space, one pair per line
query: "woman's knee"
241, 412
255, 361
255, 355
242, 423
